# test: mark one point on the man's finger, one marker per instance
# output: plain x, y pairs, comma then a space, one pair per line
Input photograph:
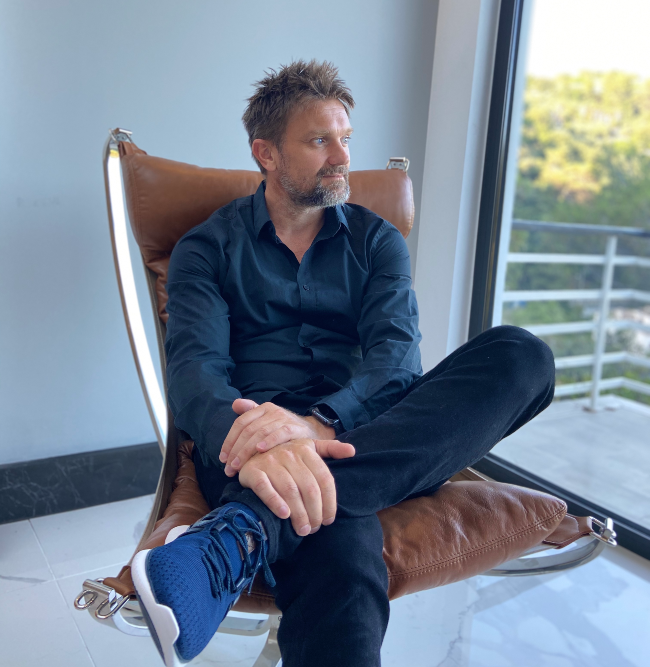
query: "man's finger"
284, 433
242, 450
333, 449
310, 494
325, 480
241, 405
288, 488
239, 425
262, 487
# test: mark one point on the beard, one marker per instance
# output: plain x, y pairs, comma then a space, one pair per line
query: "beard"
312, 193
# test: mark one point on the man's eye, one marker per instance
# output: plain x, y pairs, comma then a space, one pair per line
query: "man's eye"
346, 140
319, 140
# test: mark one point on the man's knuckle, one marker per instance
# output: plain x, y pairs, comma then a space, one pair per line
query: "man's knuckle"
324, 476
290, 490
328, 491
260, 485
312, 490
288, 455
273, 438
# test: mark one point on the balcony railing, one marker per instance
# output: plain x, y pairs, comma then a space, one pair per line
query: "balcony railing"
601, 323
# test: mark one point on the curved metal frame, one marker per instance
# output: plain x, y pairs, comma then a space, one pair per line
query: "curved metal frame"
578, 553
153, 395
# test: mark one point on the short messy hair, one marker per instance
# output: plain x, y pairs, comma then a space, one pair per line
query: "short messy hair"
278, 94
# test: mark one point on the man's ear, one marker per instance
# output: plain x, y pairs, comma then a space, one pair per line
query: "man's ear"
266, 153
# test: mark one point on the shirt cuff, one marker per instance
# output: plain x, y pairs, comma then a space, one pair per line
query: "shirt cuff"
350, 412
216, 433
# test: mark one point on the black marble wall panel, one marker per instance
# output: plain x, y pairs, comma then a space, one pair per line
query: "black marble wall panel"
47, 486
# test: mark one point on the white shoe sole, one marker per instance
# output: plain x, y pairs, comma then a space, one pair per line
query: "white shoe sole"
160, 619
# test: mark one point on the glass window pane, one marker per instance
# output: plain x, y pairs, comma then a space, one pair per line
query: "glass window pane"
574, 261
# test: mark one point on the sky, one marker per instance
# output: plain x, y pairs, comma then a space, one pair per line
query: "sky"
568, 36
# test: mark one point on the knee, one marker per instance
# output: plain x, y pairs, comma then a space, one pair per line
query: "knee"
525, 361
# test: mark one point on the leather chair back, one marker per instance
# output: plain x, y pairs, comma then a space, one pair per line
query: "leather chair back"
165, 199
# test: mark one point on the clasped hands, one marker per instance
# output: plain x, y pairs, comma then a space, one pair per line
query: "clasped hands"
279, 456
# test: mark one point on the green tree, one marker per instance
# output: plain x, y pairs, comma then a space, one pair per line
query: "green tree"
585, 150
584, 158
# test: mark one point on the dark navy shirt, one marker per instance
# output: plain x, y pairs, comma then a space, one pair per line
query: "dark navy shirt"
246, 319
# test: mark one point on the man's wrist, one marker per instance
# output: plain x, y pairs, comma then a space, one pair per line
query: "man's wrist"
324, 432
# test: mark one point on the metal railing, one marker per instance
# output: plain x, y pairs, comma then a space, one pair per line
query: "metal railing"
601, 324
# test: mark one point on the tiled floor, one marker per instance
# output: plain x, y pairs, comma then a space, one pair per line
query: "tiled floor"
603, 456
595, 616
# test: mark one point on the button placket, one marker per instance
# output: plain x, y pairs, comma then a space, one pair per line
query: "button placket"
306, 296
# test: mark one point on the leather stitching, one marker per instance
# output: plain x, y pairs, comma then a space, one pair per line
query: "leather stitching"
486, 547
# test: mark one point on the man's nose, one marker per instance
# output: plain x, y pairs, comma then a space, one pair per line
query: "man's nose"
340, 155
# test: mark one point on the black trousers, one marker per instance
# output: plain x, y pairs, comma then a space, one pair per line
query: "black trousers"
331, 586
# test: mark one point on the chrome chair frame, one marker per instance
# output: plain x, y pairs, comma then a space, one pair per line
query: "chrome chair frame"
124, 614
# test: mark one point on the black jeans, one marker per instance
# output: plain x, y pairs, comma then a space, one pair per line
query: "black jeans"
331, 586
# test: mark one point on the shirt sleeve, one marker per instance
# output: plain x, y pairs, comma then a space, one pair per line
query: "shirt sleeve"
198, 344
389, 335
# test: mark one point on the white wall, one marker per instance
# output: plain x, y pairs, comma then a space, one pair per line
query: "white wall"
461, 86
177, 74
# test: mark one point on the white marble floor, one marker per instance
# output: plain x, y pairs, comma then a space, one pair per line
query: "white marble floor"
595, 616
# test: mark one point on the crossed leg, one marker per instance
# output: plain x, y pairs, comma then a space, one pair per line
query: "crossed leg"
448, 419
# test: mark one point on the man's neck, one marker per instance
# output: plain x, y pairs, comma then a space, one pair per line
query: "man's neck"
289, 220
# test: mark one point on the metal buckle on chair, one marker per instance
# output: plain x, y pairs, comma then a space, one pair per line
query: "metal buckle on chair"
81, 606
606, 534
118, 604
96, 596
398, 163
118, 134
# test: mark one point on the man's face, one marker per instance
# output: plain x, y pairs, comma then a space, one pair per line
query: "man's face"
315, 155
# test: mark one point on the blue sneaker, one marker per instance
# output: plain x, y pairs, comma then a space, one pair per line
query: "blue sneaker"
187, 587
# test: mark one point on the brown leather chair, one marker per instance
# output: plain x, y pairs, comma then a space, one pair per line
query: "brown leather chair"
469, 526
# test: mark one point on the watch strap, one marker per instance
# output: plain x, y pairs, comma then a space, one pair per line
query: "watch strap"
318, 410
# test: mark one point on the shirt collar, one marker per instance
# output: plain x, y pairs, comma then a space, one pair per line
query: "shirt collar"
333, 214
260, 212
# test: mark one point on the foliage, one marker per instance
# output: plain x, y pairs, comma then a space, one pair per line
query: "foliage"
585, 150
585, 158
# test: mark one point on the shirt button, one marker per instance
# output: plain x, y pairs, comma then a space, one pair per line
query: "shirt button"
306, 287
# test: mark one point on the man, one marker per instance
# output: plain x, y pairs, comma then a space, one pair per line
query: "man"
293, 364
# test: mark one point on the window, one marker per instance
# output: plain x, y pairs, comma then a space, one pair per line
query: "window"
564, 247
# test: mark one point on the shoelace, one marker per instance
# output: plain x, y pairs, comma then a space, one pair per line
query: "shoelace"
216, 555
